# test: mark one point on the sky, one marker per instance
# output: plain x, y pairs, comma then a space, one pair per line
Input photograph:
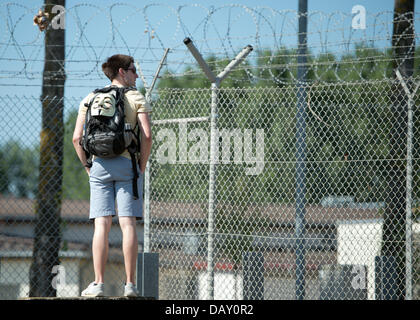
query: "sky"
92, 34
87, 26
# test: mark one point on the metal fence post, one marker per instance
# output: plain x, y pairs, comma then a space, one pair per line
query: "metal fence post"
146, 212
146, 215
253, 275
148, 274
301, 152
147, 262
212, 189
409, 198
386, 275
409, 190
215, 83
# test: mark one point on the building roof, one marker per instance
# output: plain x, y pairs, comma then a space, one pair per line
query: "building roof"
21, 207
21, 247
282, 213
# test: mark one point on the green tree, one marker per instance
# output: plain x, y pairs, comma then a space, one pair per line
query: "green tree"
348, 120
4, 177
75, 179
19, 170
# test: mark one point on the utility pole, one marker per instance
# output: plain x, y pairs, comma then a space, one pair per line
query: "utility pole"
47, 239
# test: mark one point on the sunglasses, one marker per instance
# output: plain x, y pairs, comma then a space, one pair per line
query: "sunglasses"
132, 69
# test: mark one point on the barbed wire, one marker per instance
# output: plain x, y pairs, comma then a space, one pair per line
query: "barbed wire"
95, 32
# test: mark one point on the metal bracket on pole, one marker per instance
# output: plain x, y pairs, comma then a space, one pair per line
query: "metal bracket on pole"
206, 69
143, 79
215, 82
150, 88
162, 61
236, 61
197, 55
405, 87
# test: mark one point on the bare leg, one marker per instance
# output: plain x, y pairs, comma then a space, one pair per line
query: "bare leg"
130, 246
100, 246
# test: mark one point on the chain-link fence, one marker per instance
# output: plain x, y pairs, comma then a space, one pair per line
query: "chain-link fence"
263, 188
348, 169
65, 231
348, 173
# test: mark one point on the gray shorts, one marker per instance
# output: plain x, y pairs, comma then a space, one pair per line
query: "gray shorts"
112, 180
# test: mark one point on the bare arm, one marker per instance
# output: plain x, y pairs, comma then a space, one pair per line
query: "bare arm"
77, 136
143, 120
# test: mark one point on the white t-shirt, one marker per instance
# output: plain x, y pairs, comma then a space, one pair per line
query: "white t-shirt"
134, 103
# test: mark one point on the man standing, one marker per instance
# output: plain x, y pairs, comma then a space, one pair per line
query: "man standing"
111, 179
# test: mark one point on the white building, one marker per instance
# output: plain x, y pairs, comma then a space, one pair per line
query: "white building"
358, 243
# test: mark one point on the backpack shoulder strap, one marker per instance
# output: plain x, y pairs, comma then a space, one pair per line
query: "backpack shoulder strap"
105, 89
119, 95
129, 89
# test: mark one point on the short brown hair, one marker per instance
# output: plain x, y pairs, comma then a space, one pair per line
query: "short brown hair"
114, 63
